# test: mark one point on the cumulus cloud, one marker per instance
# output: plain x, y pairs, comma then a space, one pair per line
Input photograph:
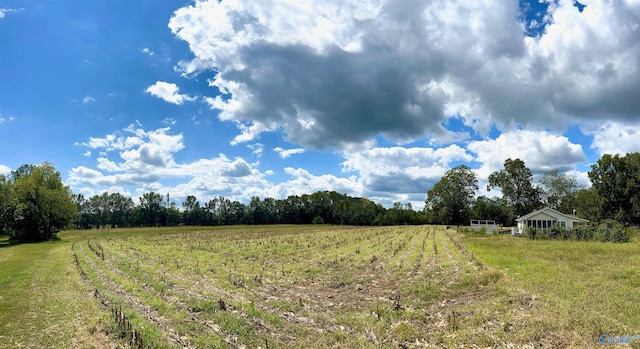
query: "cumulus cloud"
169, 92
338, 73
615, 137
387, 172
303, 182
285, 153
139, 160
540, 150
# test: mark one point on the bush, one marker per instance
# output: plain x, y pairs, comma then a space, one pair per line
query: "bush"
582, 232
531, 233
610, 230
613, 231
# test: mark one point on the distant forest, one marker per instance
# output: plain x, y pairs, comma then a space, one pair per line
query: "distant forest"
34, 203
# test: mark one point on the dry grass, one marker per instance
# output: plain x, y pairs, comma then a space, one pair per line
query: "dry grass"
319, 286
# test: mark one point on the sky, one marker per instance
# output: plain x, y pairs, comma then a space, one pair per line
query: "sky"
271, 98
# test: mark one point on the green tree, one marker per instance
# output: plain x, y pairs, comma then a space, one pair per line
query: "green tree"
192, 214
616, 179
492, 208
84, 216
515, 180
101, 209
38, 203
586, 203
449, 201
174, 216
556, 187
5, 211
151, 208
120, 208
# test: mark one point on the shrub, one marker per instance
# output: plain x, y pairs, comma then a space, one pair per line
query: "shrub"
613, 231
609, 230
531, 233
582, 232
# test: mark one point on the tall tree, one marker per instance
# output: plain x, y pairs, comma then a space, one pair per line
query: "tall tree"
515, 180
616, 179
192, 212
586, 203
151, 207
120, 207
556, 187
449, 201
101, 209
39, 204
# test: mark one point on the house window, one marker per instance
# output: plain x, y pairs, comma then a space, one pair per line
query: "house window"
563, 224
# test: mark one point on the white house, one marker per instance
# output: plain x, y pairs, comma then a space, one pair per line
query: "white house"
547, 218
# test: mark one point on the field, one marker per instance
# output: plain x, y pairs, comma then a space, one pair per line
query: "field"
315, 286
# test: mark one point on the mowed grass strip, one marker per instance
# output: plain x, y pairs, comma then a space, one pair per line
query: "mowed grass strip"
43, 303
588, 288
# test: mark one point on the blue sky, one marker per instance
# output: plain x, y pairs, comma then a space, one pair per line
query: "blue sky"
273, 98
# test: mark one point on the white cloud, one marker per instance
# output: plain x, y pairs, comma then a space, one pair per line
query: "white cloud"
615, 137
169, 121
334, 74
146, 162
303, 182
256, 149
3, 120
87, 154
285, 153
147, 51
169, 93
4, 169
8, 11
541, 152
402, 173
108, 165
88, 99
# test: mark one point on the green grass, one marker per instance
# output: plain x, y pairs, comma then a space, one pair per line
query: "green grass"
588, 288
43, 303
318, 286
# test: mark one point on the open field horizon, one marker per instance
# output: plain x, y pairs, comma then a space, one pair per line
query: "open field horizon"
315, 286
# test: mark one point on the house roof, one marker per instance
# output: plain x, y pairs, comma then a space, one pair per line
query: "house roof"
553, 213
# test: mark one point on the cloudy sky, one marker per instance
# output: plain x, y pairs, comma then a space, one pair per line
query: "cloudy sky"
374, 98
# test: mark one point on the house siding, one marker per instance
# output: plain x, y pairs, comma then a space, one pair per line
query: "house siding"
545, 219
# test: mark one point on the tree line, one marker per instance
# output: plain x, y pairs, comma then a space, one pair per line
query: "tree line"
154, 209
34, 203
614, 194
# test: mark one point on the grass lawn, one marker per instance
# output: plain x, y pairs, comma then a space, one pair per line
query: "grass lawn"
43, 303
588, 288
